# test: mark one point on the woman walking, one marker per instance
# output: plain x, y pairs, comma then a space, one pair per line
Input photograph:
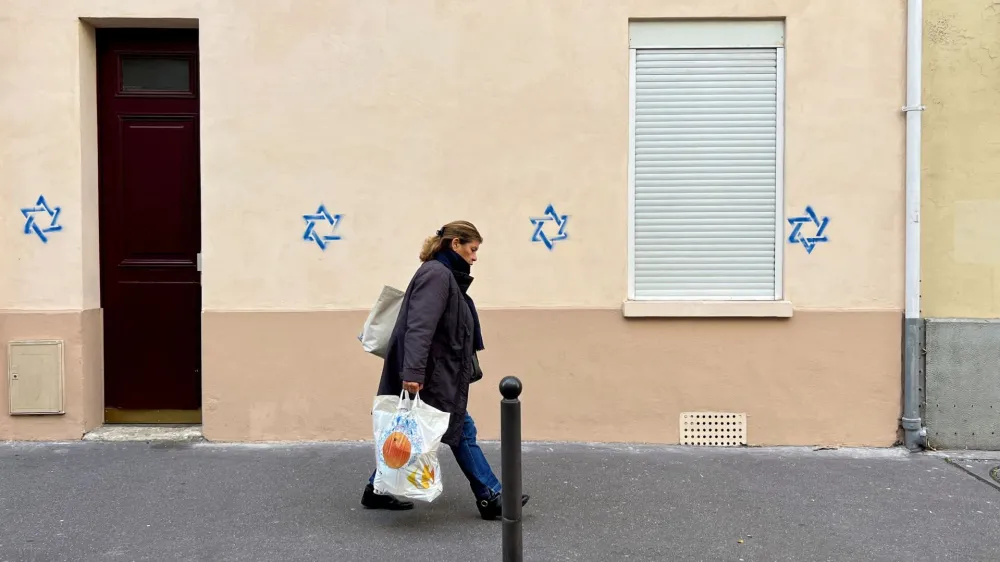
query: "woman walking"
433, 351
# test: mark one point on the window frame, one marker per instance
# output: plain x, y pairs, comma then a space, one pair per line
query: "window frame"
193, 74
779, 202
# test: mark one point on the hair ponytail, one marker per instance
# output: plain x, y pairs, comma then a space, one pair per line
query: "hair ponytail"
432, 245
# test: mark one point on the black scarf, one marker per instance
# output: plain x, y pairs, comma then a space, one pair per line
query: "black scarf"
461, 270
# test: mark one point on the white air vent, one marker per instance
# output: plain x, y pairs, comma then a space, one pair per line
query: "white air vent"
713, 429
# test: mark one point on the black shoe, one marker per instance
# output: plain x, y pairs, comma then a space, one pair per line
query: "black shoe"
493, 509
371, 500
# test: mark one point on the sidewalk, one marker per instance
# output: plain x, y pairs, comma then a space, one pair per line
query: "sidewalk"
167, 502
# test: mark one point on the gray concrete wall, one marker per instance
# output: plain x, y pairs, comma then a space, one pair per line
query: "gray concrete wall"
962, 387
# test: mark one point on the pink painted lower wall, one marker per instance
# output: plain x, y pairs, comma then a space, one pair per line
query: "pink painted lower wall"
827, 378
83, 355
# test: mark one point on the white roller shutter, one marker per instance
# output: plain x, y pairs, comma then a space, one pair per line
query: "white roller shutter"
706, 141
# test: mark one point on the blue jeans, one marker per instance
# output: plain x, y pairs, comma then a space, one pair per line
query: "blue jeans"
473, 463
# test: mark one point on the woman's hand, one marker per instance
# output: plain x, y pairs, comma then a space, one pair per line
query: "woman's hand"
412, 387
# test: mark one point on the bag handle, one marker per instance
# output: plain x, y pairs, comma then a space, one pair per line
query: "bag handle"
406, 402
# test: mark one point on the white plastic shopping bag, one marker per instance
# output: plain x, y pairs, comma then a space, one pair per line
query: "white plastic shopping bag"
407, 435
381, 321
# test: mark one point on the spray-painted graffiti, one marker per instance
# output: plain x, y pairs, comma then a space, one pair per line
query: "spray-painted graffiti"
808, 242
48, 215
550, 217
312, 229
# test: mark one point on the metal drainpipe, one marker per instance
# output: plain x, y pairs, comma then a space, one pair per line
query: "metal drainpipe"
914, 433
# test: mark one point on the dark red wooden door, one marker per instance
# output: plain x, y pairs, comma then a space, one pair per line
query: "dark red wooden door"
150, 218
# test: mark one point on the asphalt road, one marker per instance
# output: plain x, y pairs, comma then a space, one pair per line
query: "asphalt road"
110, 502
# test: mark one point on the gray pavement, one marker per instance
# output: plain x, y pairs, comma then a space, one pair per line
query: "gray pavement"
166, 502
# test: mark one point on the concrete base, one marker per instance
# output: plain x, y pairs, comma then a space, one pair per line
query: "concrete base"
963, 397
145, 433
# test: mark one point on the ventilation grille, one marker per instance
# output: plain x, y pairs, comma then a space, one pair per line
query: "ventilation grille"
713, 429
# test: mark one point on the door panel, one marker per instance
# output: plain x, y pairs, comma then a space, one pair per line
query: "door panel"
156, 371
161, 221
150, 218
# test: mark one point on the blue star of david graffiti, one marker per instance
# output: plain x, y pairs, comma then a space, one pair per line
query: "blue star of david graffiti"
31, 225
551, 216
808, 242
311, 235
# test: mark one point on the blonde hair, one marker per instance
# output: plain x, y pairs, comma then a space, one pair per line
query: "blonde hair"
463, 231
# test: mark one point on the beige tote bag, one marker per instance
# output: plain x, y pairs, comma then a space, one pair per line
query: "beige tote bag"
381, 321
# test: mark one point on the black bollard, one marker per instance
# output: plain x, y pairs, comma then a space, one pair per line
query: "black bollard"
510, 463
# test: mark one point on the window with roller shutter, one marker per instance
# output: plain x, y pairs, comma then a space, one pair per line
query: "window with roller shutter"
705, 165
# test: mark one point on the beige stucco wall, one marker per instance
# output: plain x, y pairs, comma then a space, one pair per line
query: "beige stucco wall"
961, 160
405, 114
402, 115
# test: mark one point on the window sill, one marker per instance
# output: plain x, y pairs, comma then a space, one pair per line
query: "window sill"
707, 309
